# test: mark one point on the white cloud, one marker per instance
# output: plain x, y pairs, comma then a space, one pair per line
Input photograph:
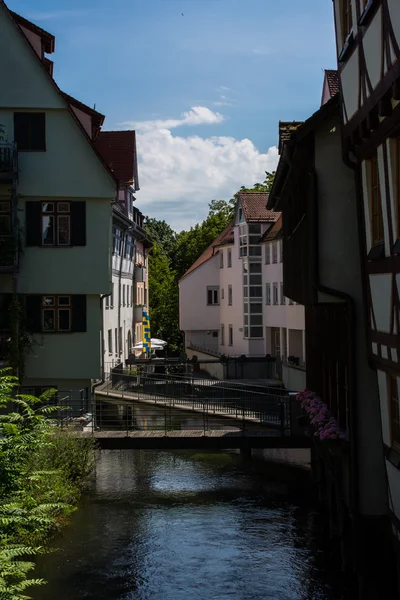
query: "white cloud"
198, 115
223, 101
179, 176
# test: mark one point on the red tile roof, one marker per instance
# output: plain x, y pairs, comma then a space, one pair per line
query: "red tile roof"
332, 78
254, 206
273, 232
118, 148
211, 250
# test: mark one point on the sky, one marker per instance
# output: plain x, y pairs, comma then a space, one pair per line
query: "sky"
203, 82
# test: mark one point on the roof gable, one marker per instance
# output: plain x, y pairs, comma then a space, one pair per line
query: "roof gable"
331, 85
33, 88
254, 205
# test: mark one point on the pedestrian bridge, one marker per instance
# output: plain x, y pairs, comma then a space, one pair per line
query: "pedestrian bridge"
172, 412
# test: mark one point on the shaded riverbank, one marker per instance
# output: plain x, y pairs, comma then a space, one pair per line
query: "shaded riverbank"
177, 526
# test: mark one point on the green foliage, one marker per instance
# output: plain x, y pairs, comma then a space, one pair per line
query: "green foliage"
162, 235
42, 471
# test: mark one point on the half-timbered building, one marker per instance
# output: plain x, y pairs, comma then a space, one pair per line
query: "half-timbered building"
315, 189
368, 49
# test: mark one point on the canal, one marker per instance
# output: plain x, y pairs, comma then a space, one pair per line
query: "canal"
184, 525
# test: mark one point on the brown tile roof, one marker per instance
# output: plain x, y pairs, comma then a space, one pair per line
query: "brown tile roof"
118, 148
332, 78
286, 129
254, 206
211, 250
274, 232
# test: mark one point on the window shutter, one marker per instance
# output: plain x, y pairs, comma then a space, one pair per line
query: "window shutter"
78, 313
33, 313
33, 224
78, 223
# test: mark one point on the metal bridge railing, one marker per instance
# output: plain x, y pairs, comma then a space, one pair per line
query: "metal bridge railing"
154, 402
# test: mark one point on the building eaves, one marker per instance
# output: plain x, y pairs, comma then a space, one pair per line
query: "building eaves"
49, 41
53, 83
274, 232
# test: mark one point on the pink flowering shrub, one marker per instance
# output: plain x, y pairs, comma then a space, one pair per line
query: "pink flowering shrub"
327, 428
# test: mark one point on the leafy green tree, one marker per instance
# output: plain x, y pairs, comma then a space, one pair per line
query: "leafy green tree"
162, 234
163, 294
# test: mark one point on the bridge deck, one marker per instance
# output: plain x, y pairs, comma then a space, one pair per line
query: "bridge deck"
195, 439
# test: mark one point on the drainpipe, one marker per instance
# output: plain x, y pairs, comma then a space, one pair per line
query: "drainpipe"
102, 342
342, 296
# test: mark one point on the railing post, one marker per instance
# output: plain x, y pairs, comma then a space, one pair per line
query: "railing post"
282, 415
244, 421
204, 419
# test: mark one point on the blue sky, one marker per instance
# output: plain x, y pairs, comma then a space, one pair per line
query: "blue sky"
244, 65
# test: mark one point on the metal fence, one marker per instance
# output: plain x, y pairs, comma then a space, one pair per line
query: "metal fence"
151, 402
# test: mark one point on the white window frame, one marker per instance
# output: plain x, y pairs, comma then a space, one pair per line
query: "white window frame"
275, 293
214, 289
230, 295
268, 294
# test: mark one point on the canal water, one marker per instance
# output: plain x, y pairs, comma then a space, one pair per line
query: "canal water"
192, 526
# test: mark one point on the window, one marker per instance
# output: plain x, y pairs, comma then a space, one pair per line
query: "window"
56, 224
212, 295
116, 340
222, 294
268, 293
222, 335
127, 295
282, 296
56, 313
377, 235
393, 392
117, 241
229, 257
275, 293
230, 298
267, 254
112, 296
53, 223
230, 334
123, 295
221, 259
30, 131
129, 247
274, 252
145, 296
242, 241
110, 341
256, 332
132, 295
346, 15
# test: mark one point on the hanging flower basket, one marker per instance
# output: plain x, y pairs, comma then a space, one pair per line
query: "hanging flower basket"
325, 427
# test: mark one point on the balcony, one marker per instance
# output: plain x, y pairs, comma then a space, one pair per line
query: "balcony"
138, 313
140, 274
8, 162
8, 254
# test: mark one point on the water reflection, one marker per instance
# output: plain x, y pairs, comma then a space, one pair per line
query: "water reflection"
177, 526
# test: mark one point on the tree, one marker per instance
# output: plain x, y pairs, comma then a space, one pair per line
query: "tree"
162, 234
163, 297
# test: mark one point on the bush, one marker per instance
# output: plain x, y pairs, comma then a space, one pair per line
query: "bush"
42, 472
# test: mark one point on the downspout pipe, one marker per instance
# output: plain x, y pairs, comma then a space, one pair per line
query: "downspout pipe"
343, 297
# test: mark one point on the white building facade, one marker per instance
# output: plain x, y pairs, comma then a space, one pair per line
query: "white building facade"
222, 297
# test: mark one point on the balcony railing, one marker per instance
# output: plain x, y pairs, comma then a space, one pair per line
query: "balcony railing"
8, 161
